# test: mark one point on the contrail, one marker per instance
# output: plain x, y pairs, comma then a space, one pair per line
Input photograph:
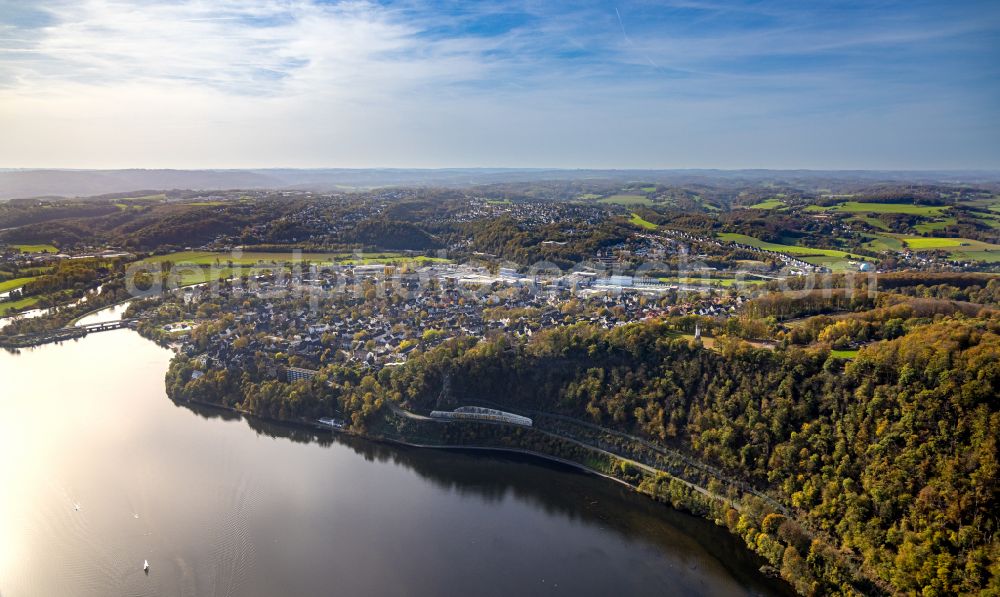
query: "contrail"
622, 24
629, 40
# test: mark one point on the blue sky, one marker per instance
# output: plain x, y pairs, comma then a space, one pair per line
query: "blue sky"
674, 84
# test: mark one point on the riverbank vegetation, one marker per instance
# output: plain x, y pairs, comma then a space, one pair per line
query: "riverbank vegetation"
66, 284
878, 473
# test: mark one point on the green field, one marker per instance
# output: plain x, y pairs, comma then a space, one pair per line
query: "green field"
7, 307
941, 224
648, 189
883, 208
189, 275
831, 258
836, 264
958, 248
157, 197
884, 242
983, 202
588, 196
769, 204
991, 221
919, 243
197, 267
991, 256
35, 248
844, 354
15, 283
789, 249
642, 223
873, 222
227, 266
627, 200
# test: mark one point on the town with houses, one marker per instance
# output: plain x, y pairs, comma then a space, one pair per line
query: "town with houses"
376, 315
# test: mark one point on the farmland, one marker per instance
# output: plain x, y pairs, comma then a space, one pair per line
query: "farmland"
958, 248
15, 283
873, 222
18, 305
940, 224
156, 197
35, 248
197, 267
884, 242
920, 243
642, 223
988, 256
769, 204
627, 200
831, 258
788, 249
884, 208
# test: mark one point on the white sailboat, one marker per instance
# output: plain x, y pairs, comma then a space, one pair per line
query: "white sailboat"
145, 566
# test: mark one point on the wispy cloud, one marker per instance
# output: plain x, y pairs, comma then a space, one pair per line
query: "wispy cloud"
241, 47
520, 82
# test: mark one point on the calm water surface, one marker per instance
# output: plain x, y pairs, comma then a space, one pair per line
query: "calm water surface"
99, 470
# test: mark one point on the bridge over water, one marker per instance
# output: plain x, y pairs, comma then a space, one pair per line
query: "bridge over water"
65, 333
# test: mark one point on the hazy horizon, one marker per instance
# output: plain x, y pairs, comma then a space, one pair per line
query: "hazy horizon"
543, 168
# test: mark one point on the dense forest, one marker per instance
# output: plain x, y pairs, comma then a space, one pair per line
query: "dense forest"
887, 463
893, 455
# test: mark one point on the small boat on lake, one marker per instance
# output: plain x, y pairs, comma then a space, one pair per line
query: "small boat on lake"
145, 566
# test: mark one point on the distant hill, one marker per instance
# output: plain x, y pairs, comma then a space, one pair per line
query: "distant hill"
16, 183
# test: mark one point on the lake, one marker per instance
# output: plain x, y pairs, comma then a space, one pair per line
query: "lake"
100, 471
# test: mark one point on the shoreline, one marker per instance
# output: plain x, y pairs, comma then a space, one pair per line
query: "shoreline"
653, 483
306, 424
579, 467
